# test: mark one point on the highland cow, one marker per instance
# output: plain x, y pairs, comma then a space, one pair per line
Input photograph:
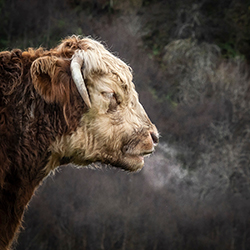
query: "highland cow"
76, 104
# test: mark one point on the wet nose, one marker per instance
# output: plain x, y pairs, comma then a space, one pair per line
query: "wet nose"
155, 138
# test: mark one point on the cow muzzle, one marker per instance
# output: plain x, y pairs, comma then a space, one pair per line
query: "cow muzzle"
141, 146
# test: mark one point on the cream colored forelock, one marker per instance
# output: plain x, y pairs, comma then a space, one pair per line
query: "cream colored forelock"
99, 60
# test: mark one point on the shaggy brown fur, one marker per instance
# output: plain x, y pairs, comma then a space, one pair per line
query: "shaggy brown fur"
43, 120
24, 141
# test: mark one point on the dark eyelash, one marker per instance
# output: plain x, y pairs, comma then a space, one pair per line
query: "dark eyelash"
113, 104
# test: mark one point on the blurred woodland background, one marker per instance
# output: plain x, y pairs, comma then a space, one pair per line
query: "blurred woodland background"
191, 69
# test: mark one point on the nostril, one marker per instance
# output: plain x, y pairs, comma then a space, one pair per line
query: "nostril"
154, 137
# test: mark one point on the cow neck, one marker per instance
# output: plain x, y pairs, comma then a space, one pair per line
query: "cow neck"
30, 126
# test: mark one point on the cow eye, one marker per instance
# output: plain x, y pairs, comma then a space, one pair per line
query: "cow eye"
113, 103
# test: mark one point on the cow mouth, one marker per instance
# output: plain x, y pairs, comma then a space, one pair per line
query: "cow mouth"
135, 162
141, 155
134, 151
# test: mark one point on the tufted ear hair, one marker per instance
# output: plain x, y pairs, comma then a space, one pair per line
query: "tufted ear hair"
51, 78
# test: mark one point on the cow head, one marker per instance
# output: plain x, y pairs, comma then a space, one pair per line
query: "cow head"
116, 129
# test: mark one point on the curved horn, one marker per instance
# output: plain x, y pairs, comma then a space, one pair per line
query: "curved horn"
76, 73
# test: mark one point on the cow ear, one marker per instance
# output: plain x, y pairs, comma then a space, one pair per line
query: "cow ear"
51, 78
